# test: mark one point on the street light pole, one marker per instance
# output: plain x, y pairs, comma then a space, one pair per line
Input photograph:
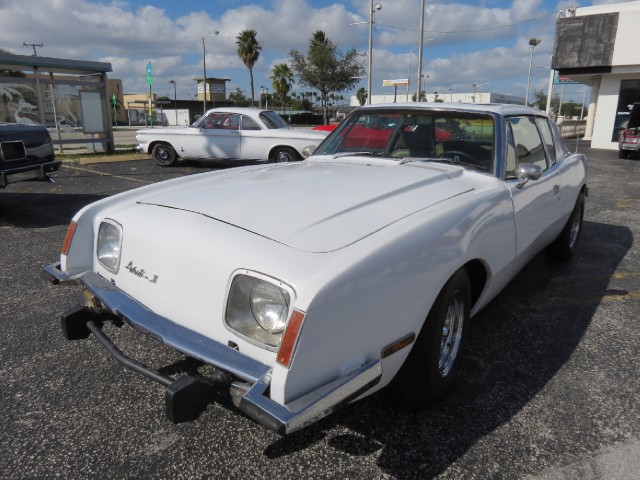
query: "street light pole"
175, 100
204, 71
372, 14
533, 42
419, 82
475, 89
409, 70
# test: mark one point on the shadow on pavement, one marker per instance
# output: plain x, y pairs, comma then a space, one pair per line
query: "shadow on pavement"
38, 210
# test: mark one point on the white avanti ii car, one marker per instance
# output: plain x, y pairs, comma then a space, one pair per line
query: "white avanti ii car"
311, 284
229, 134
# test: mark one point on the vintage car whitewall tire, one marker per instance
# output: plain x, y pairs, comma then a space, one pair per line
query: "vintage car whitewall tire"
164, 154
562, 248
284, 155
434, 361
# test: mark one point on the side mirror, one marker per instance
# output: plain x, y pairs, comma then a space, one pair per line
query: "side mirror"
526, 172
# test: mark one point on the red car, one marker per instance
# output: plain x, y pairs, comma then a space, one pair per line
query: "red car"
629, 140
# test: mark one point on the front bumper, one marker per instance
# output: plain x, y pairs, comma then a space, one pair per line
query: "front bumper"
629, 146
28, 172
249, 380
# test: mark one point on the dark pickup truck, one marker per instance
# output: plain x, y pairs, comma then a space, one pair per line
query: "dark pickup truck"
26, 153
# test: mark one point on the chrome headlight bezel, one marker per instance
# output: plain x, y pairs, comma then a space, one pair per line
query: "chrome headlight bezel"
258, 308
109, 244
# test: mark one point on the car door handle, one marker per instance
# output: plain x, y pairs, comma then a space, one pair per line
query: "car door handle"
556, 189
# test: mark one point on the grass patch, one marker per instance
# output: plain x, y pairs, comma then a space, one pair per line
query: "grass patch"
72, 156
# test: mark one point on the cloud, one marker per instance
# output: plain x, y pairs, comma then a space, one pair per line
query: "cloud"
129, 37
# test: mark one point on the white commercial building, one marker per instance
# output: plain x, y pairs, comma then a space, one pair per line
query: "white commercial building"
471, 97
599, 46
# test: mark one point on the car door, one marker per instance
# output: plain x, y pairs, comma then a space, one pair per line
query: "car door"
255, 142
217, 136
538, 211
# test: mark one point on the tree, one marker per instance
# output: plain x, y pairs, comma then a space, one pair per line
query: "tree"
326, 68
437, 99
249, 52
362, 95
423, 96
239, 98
281, 80
6, 72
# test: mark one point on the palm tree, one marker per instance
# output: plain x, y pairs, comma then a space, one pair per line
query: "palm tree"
361, 95
249, 51
281, 80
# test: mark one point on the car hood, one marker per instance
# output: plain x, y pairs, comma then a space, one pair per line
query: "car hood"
315, 206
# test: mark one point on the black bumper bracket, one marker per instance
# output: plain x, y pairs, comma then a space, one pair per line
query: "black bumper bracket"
185, 398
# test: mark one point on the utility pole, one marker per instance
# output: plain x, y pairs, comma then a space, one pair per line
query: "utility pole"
33, 45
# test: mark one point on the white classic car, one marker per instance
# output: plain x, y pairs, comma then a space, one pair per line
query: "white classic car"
311, 284
228, 134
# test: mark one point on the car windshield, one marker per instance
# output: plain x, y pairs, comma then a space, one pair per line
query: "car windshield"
273, 120
465, 138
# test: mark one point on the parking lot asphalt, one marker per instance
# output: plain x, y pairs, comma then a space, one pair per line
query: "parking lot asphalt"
549, 387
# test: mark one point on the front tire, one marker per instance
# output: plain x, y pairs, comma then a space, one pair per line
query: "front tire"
284, 155
564, 246
164, 154
623, 154
434, 361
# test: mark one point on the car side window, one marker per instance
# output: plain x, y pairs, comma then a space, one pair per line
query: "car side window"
211, 121
231, 122
527, 142
547, 138
249, 124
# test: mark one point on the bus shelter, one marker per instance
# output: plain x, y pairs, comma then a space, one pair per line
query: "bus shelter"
69, 97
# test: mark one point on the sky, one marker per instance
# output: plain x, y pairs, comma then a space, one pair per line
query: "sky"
485, 42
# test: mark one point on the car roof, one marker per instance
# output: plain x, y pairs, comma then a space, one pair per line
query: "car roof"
495, 108
239, 110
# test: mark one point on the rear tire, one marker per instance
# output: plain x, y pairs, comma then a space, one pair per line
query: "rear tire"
433, 363
285, 155
564, 246
164, 154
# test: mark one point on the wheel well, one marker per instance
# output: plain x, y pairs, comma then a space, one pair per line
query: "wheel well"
288, 147
478, 277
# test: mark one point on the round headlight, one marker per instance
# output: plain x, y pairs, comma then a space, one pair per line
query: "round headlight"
109, 245
269, 306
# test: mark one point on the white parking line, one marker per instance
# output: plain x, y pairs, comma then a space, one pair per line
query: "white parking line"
87, 170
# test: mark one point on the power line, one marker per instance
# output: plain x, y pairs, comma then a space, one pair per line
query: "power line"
476, 30
33, 45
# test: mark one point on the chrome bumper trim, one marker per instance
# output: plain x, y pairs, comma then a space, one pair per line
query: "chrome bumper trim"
138, 316
311, 407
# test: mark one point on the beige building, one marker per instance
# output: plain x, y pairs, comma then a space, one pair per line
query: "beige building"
598, 46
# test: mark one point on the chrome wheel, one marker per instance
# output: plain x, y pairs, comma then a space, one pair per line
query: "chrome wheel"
451, 335
433, 363
575, 227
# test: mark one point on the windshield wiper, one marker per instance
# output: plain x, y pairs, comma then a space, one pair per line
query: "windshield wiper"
441, 160
355, 154
423, 159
